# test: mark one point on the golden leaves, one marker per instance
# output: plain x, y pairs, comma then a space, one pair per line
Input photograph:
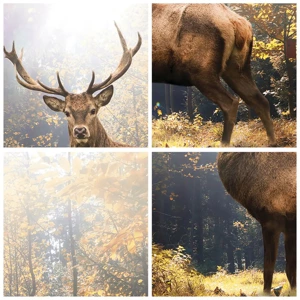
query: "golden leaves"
64, 163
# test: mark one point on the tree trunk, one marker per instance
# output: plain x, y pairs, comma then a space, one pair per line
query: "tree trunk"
72, 246
171, 98
190, 103
16, 273
239, 259
230, 258
72, 241
291, 96
29, 236
167, 98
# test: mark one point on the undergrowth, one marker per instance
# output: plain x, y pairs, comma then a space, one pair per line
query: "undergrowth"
174, 275
177, 131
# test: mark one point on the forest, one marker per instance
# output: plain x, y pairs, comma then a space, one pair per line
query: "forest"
74, 40
75, 224
202, 236
183, 117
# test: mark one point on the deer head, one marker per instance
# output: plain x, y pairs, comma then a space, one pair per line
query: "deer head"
85, 129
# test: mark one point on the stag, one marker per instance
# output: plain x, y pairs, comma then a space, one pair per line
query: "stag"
196, 45
265, 184
85, 129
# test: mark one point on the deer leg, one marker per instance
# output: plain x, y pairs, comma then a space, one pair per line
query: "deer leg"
243, 84
290, 252
271, 240
215, 92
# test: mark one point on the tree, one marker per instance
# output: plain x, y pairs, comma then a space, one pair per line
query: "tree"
274, 26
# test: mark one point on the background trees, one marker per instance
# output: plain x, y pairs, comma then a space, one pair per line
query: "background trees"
75, 224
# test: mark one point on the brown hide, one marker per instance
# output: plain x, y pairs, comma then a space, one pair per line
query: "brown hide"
195, 45
265, 184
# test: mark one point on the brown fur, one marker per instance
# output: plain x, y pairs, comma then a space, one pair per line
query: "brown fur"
195, 45
265, 183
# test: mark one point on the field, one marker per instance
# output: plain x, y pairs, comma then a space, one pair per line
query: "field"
177, 131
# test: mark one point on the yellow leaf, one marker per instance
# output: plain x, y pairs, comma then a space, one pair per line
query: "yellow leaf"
131, 247
138, 236
64, 163
76, 163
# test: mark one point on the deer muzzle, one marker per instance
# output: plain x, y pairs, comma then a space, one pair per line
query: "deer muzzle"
81, 132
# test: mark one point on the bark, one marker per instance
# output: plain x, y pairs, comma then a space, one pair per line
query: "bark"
190, 103
29, 236
72, 246
167, 98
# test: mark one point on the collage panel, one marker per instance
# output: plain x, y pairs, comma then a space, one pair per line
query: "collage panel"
75, 224
53, 50
223, 75
217, 223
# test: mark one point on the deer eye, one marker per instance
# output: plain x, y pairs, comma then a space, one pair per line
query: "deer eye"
93, 111
67, 113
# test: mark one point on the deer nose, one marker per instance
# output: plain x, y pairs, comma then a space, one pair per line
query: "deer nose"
80, 132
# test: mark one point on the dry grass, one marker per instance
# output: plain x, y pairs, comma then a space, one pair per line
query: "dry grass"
178, 132
247, 283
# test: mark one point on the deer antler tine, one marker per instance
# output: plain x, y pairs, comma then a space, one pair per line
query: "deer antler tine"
92, 82
123, 41
93, 88
123, 66
138, 45
61, 85
21, 55
26, 80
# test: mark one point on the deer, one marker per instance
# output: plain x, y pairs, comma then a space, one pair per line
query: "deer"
265, 184
197, 45
84, 127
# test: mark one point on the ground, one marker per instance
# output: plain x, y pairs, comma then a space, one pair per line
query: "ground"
177, 131
246, 283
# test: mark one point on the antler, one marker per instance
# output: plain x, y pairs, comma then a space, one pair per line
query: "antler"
122, 67
29, 82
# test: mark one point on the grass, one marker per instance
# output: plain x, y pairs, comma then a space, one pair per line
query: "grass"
246, 283
177, 131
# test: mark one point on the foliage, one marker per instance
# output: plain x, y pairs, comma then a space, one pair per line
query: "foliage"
273, 24
178, 132
172, 273
74, 53
75, 212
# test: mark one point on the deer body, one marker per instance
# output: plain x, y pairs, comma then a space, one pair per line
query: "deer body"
265, 184
196, 45
85, 129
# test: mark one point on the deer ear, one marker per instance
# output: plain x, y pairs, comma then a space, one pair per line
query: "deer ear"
54, 103
104, 97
